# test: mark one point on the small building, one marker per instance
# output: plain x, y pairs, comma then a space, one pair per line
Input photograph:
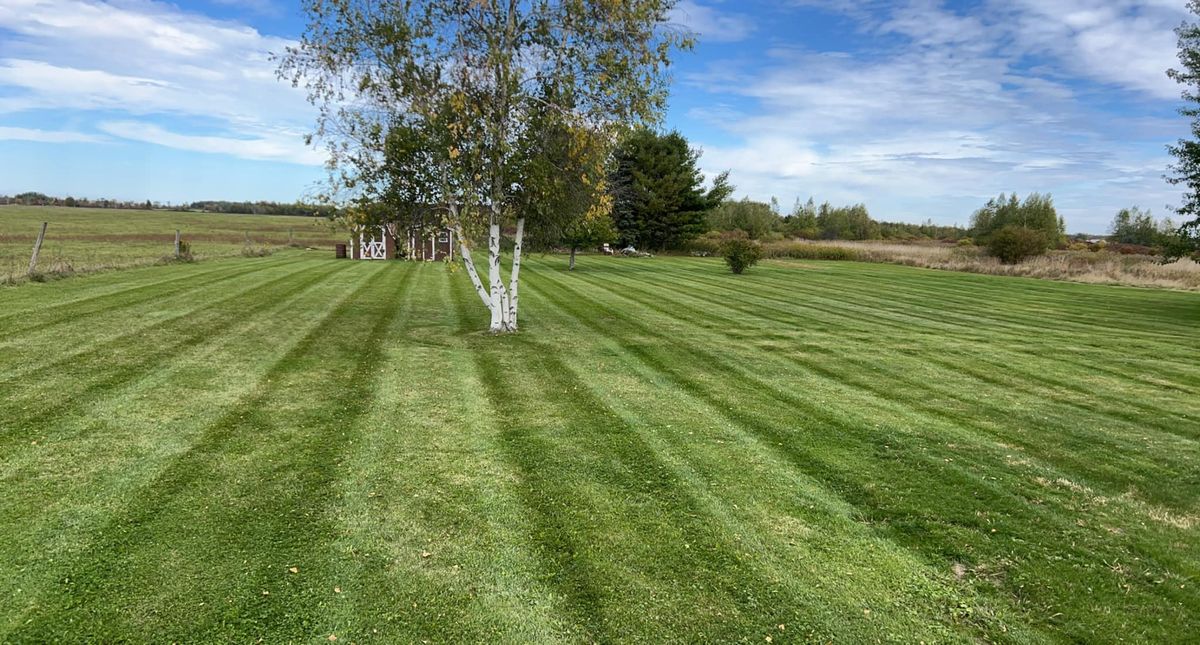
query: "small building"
380, 243
430, 244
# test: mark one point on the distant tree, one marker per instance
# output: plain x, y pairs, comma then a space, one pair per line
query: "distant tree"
755, 218
846, 223
1135, 226
1036, 213
802, 221
1186, 169
659, 197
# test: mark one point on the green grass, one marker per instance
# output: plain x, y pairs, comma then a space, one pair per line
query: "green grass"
92, 239
811, 452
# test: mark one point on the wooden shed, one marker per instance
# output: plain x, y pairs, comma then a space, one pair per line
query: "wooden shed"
430, 244
380, 243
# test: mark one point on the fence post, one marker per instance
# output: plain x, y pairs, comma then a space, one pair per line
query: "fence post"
176, 244
37, 248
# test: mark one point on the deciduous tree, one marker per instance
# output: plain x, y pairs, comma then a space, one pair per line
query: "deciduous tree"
467, 76
1186, 169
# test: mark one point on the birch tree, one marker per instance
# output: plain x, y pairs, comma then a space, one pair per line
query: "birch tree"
468, 75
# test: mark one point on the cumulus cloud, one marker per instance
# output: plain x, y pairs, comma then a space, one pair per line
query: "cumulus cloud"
142, 57
953, 108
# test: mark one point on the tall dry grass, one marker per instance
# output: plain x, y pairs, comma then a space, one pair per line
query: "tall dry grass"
1075, 266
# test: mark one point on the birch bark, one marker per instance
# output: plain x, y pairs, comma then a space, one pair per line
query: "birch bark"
514, 283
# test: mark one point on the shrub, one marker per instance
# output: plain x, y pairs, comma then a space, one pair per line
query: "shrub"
1078, 246
966, 241
256, 251
1011, 244
741, 254
1131, 249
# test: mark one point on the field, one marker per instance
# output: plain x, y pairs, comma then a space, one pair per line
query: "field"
1090, 267
80, 240
295, 448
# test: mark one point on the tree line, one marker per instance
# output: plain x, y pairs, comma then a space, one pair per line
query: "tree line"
300, 209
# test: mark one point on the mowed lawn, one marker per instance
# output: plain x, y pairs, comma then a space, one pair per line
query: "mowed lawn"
300, 449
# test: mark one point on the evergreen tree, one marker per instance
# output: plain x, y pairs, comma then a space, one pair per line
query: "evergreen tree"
659, 199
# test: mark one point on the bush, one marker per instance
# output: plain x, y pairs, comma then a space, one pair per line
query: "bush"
1011, 244
741, 254
1078, 246
1131, 249
966, 241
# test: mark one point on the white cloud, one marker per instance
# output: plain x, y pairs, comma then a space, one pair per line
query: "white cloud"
276, 147
961, 109
142, 57
710, 24
47, 136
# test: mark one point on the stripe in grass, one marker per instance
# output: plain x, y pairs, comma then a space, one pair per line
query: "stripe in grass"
100, 299
861, 297
574, 489
70, 334
221, 526
33, 399
85, 462
583, 473
888, 382
846, 480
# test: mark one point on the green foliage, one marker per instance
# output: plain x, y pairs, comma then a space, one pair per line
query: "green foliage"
802, 221
659, 198
1036, 213
741, 254
1012, 243
757, 219
1135, 226
1186, 169
846, 223
466, 84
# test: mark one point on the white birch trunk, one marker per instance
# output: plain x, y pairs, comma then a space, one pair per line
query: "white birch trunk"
499, 311
465, 252
513, 282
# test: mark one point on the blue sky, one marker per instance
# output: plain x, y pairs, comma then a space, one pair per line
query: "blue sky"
918, 108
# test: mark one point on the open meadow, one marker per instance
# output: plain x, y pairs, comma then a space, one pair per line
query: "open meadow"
82, 240
297, 448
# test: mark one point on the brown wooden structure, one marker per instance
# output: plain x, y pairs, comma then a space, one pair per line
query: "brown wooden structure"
380, 243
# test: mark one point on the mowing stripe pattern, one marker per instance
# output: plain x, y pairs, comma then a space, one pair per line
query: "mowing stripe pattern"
294, 448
